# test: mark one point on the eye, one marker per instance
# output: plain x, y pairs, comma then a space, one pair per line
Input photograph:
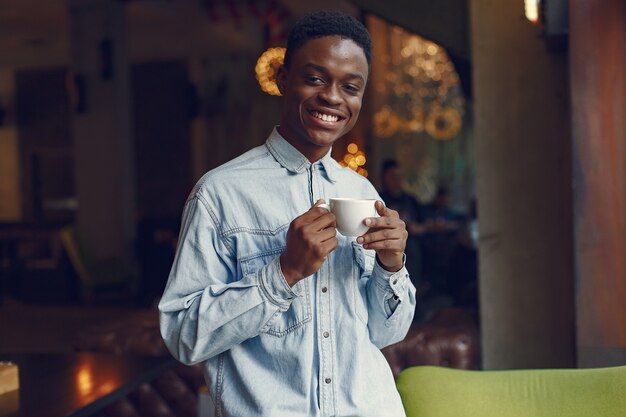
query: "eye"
352, 88
313, 79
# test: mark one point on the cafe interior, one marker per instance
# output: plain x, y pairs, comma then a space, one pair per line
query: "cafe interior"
111, 110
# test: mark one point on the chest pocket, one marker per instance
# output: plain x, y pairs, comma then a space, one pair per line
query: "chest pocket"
362, 269
299, 312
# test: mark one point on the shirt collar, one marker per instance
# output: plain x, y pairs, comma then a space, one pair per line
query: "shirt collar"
291, 159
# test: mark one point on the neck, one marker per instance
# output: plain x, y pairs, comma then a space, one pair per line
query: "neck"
311, 151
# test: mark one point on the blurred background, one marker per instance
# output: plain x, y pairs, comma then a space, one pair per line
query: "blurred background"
506, 127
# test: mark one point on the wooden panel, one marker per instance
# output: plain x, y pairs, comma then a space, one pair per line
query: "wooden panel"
598, 86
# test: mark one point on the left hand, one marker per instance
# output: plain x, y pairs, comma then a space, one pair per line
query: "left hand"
387, 236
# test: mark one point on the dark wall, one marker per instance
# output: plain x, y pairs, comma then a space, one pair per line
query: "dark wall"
162, 109
45, 142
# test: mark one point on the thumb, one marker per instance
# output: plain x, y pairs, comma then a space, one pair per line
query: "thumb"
380, 207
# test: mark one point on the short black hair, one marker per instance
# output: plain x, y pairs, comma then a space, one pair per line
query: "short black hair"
328, 23
390, 164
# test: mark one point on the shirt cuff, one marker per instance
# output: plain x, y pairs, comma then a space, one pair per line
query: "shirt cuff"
394, 282
275, 286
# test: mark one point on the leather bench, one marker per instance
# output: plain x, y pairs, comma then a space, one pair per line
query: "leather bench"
449, 339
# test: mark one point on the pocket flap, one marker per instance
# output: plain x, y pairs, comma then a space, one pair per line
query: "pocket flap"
251, 264
364, 258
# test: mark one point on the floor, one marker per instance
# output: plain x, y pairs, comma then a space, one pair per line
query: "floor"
33, 328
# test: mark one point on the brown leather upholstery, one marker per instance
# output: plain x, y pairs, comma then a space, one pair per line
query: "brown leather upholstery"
172, 394
450, 339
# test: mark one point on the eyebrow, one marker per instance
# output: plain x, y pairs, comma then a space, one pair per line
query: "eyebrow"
325, 71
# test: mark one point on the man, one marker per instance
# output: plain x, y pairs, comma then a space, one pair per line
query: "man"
287, 315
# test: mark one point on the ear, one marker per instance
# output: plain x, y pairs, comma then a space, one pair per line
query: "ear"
281, 79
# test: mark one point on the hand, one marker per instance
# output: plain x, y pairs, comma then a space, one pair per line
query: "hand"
310, 238
387, 236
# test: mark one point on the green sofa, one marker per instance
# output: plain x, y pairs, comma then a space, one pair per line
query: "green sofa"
431, 391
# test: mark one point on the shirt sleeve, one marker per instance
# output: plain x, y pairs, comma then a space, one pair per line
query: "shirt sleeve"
391, 305
206, 307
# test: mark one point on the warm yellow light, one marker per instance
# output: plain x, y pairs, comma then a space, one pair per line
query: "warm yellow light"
267, 68
443, 123
532, 10
432, 49
84, 380
354, 159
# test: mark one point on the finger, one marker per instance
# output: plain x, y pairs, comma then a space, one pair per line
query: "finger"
314, 212
326, 234
322, 249
325, 220
382, 210
381, 235
329, 245
386, 222
320, 206
380, 207
387, 245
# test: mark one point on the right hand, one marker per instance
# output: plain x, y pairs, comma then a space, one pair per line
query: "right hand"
310, 238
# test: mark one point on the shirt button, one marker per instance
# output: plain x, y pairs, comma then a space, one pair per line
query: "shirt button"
324, 289
326, 334
328, 380
395, 281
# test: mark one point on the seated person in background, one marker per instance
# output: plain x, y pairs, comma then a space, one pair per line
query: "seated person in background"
441, 226
463, 272
410, 211
287, 316
439, 218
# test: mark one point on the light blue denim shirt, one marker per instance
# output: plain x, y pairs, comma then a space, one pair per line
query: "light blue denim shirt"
270, 349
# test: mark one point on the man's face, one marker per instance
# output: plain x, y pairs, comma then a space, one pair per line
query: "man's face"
322, 93
392, 181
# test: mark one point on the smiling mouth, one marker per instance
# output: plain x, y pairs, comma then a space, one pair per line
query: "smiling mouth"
326, 117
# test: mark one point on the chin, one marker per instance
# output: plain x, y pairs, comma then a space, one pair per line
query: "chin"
323, 140
323, 137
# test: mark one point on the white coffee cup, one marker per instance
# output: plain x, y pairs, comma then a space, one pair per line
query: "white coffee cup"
350, 213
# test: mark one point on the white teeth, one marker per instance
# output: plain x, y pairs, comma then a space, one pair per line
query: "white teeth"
325, 117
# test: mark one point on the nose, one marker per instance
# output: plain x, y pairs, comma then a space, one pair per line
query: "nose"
330, 94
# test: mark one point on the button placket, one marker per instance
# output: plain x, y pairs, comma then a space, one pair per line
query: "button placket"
326, 360
324, 316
